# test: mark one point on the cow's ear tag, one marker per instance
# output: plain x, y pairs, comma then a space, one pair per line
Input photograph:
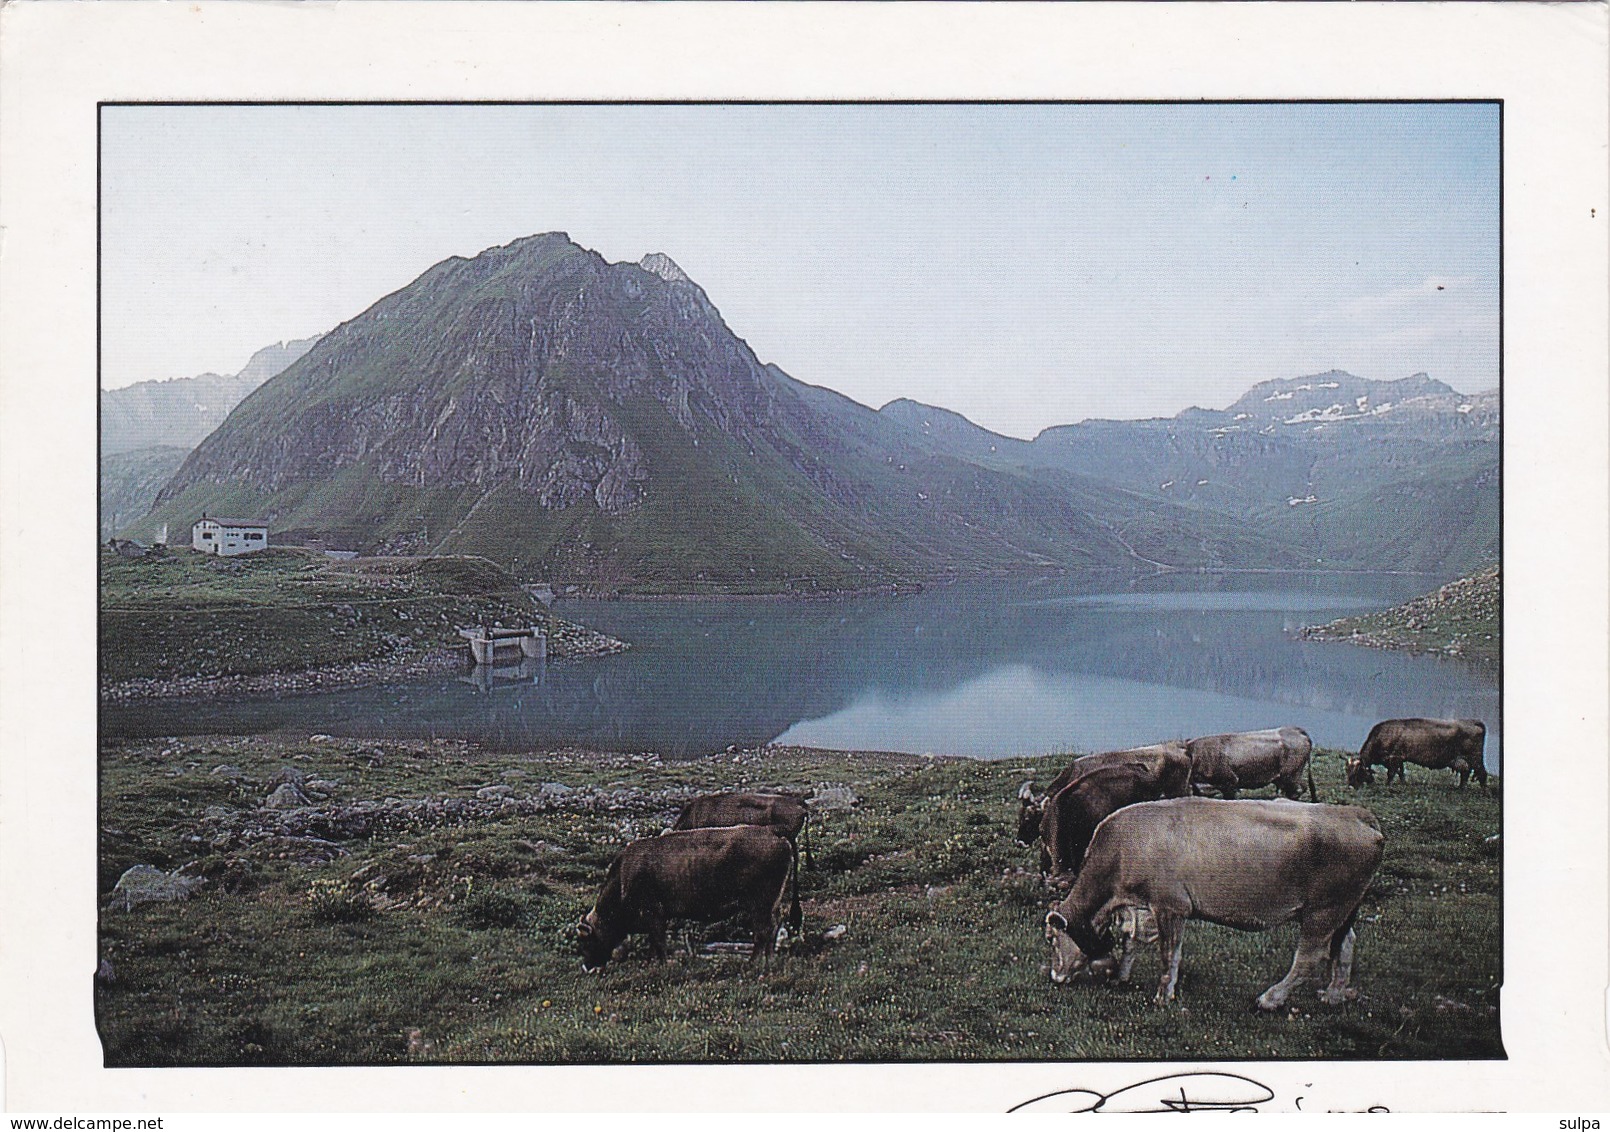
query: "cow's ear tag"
1056, 920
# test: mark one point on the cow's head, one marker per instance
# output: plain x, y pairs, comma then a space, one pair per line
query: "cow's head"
595, 948
1067, 957
1029, 811
1358, 773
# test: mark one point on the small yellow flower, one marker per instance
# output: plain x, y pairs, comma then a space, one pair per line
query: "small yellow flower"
547, 1002
598, 1009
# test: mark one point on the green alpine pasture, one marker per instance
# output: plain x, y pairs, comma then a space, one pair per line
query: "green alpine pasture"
433, 934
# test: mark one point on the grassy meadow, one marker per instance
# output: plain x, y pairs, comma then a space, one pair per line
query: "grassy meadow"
418, 904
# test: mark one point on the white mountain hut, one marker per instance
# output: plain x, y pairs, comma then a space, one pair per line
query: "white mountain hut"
228, 536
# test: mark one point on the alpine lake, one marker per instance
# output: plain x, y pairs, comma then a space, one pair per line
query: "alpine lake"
987, 670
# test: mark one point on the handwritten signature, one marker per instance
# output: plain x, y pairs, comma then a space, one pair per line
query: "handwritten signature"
1177, 1092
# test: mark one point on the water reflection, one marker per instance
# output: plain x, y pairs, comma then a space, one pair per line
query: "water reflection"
490, 677
989, 670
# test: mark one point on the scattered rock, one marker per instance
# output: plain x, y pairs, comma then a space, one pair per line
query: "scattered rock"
827, 799
540, 847
146, 884
836, 931
494, 792
286, 796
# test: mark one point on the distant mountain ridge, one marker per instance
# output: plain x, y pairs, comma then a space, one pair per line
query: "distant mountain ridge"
598, 422
180, 411
130, 482
1352, 472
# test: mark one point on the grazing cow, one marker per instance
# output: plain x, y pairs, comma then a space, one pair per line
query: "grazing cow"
786, 815
1452, 744
1229, 763
1358, 774
696, 874
1072, 815
1165, 760
1252, 865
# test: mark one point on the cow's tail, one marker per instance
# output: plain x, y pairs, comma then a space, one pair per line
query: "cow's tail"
796, 916
1313, 795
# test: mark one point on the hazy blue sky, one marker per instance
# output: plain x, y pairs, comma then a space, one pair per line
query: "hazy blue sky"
1024, 265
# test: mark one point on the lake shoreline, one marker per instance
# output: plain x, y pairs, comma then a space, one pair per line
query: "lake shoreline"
1462, 619
328, 678
926, 585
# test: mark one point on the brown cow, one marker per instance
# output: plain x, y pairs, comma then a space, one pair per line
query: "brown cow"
1241, 761
1165, 760
1452, 744
1072, 815
1252, 865
787, 815
697, 874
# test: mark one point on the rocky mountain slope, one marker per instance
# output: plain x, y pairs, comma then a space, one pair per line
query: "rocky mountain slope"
597, 422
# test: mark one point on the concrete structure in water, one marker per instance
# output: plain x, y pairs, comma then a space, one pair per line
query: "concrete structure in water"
228, 536
486, 641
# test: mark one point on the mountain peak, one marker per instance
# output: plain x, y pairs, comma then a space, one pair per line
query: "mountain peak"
658, 263
538, 239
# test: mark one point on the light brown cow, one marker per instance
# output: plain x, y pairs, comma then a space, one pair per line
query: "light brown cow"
1252, 865
1247, 759
1438, 744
